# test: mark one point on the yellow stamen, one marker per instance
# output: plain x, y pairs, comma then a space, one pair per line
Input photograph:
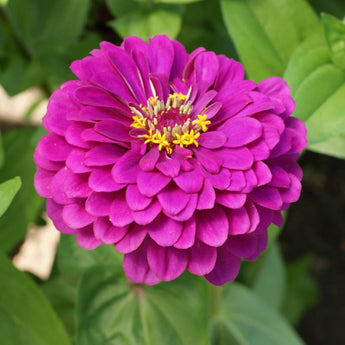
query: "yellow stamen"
138, 122
202, 122
161, 140
150, 137
180, 96
187, 138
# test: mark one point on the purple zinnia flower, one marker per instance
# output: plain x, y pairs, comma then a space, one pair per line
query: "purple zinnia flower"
174, 158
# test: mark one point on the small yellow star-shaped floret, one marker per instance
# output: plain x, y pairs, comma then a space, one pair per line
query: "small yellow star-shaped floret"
138, 122
202, 122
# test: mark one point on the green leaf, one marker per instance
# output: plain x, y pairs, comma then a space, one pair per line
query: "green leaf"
111, 310
8, 190
266, 32
2, 157
243, 319
144, 23
318, 87
19, 146
302, 291
269, 277
334, 147
62, 297
45, 25
73, 260
26, 317
335, 36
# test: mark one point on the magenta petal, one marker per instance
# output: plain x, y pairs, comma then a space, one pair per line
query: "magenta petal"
98, 204
137, 269
187, 237
147, 215
44, 163
267, 197
226, 268
105, 232
54, 212
221, 180
150, 183
120, 213
92, 95
76, 161
57, 187
280, 178
242, 245
160, 55
188, 211
190, 181
202, 259
73, 134
126, 168
42, 182
238, 181
134, 237
212, 140
165, 231
101, 180
136, 201
207, 196
239, 221
76, 217
240, 158
103, 154
76, 185
166, 262
231, 199
172, 199
263, 173
113, 129
241, 131
212, 226
149, 160
169, 167
206, 67
86, 239
209, 160
54, 147
292, 193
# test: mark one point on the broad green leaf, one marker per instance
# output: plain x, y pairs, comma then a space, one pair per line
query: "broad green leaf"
266, 32
19, 147
1, 152
62, 297
302, 291
334, 147
203, 27
160, 19
45, 25
318, 87
73, 260
111, 310
8, 190
270, 281
243, 319
26, 317
335, 36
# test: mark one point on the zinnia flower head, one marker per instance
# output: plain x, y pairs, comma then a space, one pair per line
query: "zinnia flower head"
174, 158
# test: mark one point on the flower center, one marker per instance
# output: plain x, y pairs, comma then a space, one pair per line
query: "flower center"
169, 123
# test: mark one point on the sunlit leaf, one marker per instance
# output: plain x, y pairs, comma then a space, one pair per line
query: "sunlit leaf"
26, 317
266, 32
335, 36
8, 190
318, 87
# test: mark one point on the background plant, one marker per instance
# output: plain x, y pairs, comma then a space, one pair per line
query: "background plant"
87, 299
